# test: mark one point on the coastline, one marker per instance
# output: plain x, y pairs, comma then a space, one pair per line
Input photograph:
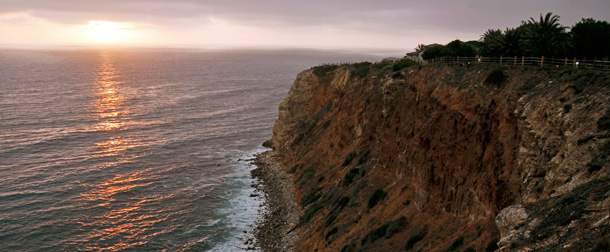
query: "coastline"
275, 230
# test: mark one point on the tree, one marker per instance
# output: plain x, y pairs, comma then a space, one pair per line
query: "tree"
591, 38
492, 43
453, 49
434, 52
512, 41
546, 37
459, 48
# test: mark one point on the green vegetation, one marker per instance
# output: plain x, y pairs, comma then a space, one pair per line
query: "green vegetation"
416, 238
378, 196
456, 244
298, 139
591, 38
324, 69
311, 212
348, 248
453, 49
403, 63
544, 36
309, 198
331, 232
595, 165
342, 202
348, 159
326, 124
336, 209
384, 64
497, 77
364, 155
604, 122
361, 69
294, 169
547, 37
352, 175
387, 230
306, 176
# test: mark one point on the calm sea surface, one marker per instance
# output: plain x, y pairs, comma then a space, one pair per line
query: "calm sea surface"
137, 149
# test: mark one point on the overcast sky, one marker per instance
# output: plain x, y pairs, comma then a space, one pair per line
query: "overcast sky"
381, 24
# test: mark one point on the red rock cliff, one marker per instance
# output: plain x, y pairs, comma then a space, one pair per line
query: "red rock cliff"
448, 158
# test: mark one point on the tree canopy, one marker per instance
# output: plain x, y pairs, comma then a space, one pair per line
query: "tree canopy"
544, 36
454, 48
591, 38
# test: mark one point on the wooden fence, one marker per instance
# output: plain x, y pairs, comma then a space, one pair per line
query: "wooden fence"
528, 61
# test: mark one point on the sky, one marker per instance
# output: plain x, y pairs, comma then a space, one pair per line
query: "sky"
322, 24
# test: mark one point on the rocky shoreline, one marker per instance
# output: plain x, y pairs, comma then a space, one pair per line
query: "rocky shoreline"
275, 230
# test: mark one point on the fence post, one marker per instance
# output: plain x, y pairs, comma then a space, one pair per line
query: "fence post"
542, 61
566, 63
522, 60
500, 60
574, 64
515, 61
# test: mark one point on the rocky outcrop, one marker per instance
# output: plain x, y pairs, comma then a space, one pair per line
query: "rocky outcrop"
448, 158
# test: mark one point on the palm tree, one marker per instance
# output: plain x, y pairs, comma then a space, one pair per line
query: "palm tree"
512, 42
492, 42
546, 37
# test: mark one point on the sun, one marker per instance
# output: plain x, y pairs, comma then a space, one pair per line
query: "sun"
106, 32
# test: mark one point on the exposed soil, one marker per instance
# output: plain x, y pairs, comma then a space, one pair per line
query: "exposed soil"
425, 158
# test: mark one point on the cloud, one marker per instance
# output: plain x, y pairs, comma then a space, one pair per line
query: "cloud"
416, 21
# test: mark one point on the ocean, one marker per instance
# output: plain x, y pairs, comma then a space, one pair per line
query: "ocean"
137, 149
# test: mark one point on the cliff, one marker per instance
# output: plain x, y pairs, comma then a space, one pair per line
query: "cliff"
448, 158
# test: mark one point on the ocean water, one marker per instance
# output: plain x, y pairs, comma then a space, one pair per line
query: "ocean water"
141, 149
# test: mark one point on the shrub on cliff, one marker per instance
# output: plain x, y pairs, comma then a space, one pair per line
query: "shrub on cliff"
309, 198
348, 159
604, 122
361, 69
456, 244
497, 77
311, 211
387, 230
416, 238
403, 63
378, 196
352, 175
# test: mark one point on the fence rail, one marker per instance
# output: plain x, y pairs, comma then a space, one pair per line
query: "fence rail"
528, 61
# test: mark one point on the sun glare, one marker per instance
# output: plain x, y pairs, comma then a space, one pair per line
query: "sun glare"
106, 32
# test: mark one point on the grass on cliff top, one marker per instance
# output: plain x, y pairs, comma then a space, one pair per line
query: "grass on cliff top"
324, 69
362, 69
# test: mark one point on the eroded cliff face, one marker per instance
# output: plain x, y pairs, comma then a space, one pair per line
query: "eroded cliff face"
451, 158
